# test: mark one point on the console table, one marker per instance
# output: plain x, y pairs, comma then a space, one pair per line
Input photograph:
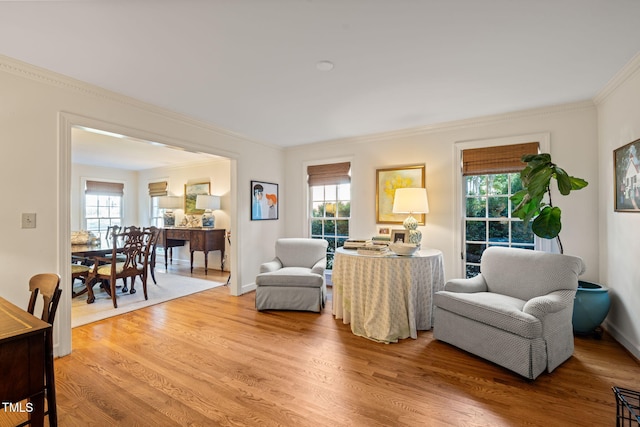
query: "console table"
200, 239
386, 298
23, 351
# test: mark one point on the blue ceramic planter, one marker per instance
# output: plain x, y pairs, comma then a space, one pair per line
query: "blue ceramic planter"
590, 307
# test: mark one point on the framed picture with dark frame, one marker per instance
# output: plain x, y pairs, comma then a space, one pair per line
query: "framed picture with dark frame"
387, 181
264, 201
399, 235
626, 169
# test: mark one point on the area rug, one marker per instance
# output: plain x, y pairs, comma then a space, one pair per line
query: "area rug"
169, 287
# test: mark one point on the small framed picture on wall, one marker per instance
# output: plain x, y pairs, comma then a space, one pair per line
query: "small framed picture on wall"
264, 201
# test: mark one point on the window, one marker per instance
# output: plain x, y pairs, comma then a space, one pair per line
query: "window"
103, 205
491, 175
156, 190
330, 205
488, 220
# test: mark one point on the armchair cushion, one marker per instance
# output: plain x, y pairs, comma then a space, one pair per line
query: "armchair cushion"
500, 311
290, 276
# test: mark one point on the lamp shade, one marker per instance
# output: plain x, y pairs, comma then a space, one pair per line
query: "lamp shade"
411, 200
207, 202
170, 202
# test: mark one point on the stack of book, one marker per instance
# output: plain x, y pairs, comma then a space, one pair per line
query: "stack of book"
374, 249
355, 243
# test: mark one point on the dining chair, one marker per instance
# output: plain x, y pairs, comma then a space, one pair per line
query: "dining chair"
79, 270
47, 285
155, 235
134, 250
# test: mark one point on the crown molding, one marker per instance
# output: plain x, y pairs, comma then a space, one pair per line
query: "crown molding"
628, 71
453, 125
51, 78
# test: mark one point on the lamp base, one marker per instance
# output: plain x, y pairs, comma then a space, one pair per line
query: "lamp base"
169, 219
208, 220
411, 225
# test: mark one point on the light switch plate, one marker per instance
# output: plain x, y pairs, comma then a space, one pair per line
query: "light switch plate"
28, 220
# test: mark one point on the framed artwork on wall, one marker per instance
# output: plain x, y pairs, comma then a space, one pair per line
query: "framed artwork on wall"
387, 181
191, 192
264, 201
626, 168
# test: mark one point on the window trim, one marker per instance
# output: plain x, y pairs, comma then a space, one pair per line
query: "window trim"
543, 138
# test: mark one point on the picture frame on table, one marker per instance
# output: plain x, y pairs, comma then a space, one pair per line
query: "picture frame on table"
265, 201
399, 235
390, 179
626, 170
191, 192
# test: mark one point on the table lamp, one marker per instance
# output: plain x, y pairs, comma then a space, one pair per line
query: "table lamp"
169, 203
209, 204
411, 201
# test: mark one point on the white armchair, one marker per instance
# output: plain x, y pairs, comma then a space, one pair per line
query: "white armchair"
516, 313
294, 279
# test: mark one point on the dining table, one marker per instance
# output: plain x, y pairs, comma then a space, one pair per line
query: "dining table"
100, 247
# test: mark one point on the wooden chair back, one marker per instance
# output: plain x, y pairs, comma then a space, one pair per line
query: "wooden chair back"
47, 285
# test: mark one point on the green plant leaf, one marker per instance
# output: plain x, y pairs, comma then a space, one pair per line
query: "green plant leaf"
539, 183
564, 181
577, 183
548, 223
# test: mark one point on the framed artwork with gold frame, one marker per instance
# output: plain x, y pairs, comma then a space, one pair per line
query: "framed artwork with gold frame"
390, 179
191, 192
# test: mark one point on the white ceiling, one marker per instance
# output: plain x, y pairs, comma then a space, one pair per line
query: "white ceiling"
114, 151
249, 66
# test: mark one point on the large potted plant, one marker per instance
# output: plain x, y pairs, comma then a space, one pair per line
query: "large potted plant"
534, 203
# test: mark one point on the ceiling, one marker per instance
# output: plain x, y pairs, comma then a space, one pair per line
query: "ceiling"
95, 148
250, 66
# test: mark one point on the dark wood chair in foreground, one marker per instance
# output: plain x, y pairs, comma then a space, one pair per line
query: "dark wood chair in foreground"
47, 285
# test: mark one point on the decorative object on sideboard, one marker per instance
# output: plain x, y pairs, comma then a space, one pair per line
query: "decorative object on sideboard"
209, 204
168, 204
411, 201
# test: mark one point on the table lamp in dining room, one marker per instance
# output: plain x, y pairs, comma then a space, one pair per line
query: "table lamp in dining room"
209, 204
169, 203
411, 201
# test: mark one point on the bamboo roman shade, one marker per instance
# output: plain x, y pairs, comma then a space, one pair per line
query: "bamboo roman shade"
331, 174
104, 188
157, 189
499, 159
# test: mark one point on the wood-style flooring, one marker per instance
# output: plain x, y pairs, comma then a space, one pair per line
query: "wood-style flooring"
211, 359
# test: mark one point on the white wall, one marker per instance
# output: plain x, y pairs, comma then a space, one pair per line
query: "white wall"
573, 135
618, 125
37, 112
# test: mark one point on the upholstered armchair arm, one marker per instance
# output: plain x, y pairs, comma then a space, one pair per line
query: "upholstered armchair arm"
319, 267
550, 303
471, 285
273, 265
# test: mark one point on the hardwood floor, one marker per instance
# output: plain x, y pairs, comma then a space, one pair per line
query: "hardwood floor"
211, 359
